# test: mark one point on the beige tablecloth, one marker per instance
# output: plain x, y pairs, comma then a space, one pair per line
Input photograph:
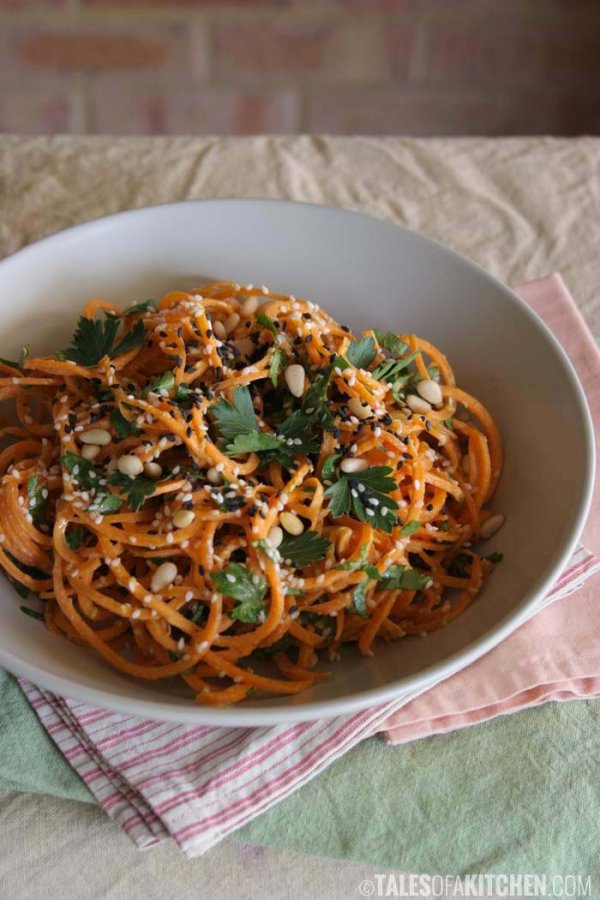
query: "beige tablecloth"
520, 207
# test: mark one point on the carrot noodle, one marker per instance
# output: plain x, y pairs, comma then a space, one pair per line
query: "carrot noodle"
138, 581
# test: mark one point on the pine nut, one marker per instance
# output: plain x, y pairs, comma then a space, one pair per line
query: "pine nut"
491, 526
152, 470
130, 465
213, 476
96, 436
231, 322
291, 523
90, 451
183, 518
417, 404
353, 464
294, 378
163, 577
275, 536
250, 306
219, 330
358, 409
430, 391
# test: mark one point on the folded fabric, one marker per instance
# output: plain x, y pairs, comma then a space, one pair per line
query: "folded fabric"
556, 655
198, 784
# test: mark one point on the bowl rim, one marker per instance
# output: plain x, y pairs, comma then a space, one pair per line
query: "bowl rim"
240, 716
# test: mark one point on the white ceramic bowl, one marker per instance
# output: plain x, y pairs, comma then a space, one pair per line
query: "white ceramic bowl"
367, 273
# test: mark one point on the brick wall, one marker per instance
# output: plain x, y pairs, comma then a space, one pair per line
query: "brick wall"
284, 66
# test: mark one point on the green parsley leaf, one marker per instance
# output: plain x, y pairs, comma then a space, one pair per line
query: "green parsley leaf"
122, 426
365, 495
92, 340
445, 525
359, 599
495, 557
135, 490
361, 353
449, 423
182, 394
164, 382
33, 613
355, 564
401, 578
391, 369
104, 504
237, 417
142, 307
328, 470
410, 528
297, 429
133, 339
277, 362
32, 571
81, 470
303, 549
75, 537
253, 442
239, 582
267, 322
17, 364
267, 548
37, 502
390, 341
460, 566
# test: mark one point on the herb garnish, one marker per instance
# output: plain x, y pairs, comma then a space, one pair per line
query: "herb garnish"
135, 490
123, 427
303, 549
361, 353
95, 339
239, 582
37, 501
365, 495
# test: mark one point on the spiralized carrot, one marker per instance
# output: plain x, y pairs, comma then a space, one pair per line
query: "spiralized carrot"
150, 584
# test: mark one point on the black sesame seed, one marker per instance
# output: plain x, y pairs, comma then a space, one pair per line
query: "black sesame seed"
189, 431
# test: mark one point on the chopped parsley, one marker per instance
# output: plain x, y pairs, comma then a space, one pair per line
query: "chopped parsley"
390, 341
95, 339
75, 537
277, 363
37, 500
239, 582
359, 599
17, 363
235, 418
81, 470
134, 490
365, 496
303, 549
328, 470
122, 426
266, 322
361, 353
164, 382
410, 528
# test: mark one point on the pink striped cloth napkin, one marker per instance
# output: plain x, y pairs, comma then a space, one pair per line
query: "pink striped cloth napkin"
556, 655
199, 784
